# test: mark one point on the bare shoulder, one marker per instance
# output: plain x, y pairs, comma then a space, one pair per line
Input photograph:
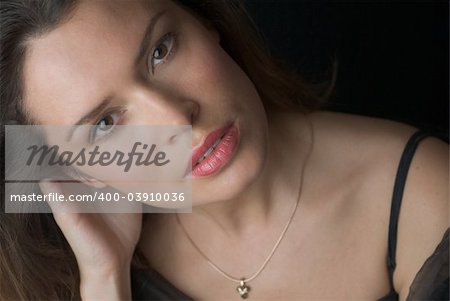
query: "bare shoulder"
375, 144
424, 214
371, 148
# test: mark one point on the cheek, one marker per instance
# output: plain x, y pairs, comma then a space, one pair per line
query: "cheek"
226, 90
211, 76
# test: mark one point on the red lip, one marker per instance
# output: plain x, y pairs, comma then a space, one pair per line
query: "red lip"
221, 154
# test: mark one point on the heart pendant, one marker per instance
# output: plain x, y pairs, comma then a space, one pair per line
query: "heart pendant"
243, 289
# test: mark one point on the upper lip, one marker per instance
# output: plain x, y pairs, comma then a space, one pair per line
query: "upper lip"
208, 141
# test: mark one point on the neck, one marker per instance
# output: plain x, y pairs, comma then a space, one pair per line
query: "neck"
269, 199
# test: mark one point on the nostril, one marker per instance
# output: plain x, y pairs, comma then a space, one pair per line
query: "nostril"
181, 135
172, 139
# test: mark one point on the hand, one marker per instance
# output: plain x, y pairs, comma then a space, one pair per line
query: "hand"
103, 244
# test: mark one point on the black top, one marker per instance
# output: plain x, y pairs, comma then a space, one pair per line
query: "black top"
431, 283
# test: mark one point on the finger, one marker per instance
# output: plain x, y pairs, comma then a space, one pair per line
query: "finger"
56, 197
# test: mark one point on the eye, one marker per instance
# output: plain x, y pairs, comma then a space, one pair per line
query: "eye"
162, 51
105, 125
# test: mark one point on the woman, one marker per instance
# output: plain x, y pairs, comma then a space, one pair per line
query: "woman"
301, 209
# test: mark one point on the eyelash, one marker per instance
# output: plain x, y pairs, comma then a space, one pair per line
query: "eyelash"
93, 137
151, 67
168, 37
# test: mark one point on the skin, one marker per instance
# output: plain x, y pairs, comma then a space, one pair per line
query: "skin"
336, 245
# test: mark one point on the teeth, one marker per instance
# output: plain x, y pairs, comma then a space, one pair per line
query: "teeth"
209, 151
216, 143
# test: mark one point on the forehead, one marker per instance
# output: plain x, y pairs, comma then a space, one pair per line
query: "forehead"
73, 64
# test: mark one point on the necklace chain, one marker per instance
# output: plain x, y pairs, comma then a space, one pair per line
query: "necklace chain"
242, 281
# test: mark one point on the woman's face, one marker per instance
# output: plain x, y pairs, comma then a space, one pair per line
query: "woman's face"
148, 63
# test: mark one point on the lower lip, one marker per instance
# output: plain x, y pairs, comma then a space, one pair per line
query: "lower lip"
220, 156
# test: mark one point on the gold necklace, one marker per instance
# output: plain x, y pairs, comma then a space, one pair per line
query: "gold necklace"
243, 289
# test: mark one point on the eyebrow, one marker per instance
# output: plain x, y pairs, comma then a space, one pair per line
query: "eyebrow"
89, 116
148, 36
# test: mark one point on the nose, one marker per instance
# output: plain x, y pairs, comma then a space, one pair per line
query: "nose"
160, 106
176, 110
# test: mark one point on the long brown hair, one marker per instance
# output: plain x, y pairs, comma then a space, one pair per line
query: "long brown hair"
36, 262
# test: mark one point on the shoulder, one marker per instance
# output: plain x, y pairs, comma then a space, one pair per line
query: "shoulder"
367, 147
424, 216
376, 144
355, 157
352, 172
372, 149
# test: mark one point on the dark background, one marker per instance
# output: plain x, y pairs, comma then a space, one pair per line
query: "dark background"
392, 55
